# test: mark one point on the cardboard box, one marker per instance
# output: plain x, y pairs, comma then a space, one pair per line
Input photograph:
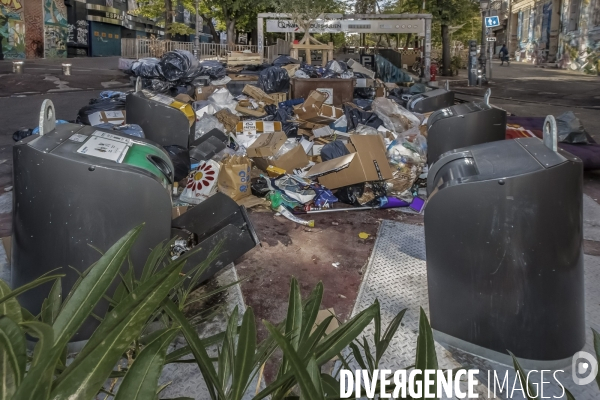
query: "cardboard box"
184, 98
178, 211
240, 77
7, 243
268, 144
314, 110
291, 160
291, 69
258, 94
107, 117
202, 92
279, 96
356, 167
258, 126
259, 112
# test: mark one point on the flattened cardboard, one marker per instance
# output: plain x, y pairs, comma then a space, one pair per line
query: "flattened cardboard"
260, 112
326, 167
367, 150
267, 144
258, 94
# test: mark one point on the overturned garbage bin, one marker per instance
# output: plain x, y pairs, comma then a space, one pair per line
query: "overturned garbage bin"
503, 232
430, 101
464, 125
80, 186
164, 120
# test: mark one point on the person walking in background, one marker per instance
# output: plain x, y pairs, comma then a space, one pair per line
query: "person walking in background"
504, 55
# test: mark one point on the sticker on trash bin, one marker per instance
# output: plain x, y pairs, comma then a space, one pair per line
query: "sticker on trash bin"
249, 127
77, 137
328, 92
163, 99
111, 137
104, 148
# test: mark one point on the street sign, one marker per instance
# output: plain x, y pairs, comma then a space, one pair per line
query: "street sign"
491, 39
492, 21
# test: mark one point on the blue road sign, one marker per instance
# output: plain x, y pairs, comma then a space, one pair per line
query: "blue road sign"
492, 21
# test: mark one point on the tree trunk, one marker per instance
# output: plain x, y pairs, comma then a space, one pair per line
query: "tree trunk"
408, 37
213, 31
168, 17
230, 24
446, 70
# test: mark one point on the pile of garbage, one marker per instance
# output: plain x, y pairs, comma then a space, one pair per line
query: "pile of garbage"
255, 139
176, 71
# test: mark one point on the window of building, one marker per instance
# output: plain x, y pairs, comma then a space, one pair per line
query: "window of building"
595, 12
525, 25
574, 10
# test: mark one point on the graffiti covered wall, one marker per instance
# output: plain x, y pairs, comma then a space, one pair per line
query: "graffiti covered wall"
56, 30
579, 40
12, 29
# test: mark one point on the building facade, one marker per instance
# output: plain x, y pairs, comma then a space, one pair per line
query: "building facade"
75, 28
565, 33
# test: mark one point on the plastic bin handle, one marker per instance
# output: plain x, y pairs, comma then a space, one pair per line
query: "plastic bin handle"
550, 133
162, 167
488, 94
47, 121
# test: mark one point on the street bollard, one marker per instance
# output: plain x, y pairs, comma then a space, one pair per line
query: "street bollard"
18, 67
66, 69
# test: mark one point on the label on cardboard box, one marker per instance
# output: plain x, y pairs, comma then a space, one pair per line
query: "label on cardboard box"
328, 92
249, 126
268, 126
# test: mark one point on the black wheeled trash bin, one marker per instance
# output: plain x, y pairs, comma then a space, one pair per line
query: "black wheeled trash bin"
503, 232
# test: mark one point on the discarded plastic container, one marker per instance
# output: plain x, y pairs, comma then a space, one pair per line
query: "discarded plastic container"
504, 266
66, 69
18, 67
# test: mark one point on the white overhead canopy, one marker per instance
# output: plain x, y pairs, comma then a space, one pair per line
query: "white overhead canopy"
418, 24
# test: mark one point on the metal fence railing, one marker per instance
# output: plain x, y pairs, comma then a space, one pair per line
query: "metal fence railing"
141, 48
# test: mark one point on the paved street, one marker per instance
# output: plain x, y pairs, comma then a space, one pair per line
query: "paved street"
529, 91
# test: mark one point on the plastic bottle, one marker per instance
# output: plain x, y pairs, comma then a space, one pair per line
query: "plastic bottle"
276, 200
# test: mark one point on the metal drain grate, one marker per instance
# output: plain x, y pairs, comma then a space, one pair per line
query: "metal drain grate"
397, 276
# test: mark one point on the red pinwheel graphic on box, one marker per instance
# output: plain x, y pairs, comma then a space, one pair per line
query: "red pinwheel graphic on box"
202, 183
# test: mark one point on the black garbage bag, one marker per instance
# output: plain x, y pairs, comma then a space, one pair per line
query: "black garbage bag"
97, 105
147, 68
332, 150
22, 134
350, 194
274, 80
212, 68
367, 93
365, 104
177, 64
396, 95
284, 115
180, 157
570, 129
310, 70
356, 116
284, 60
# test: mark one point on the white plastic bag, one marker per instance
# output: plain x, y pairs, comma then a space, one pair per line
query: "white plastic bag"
206, 124
201, 183
395, 117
